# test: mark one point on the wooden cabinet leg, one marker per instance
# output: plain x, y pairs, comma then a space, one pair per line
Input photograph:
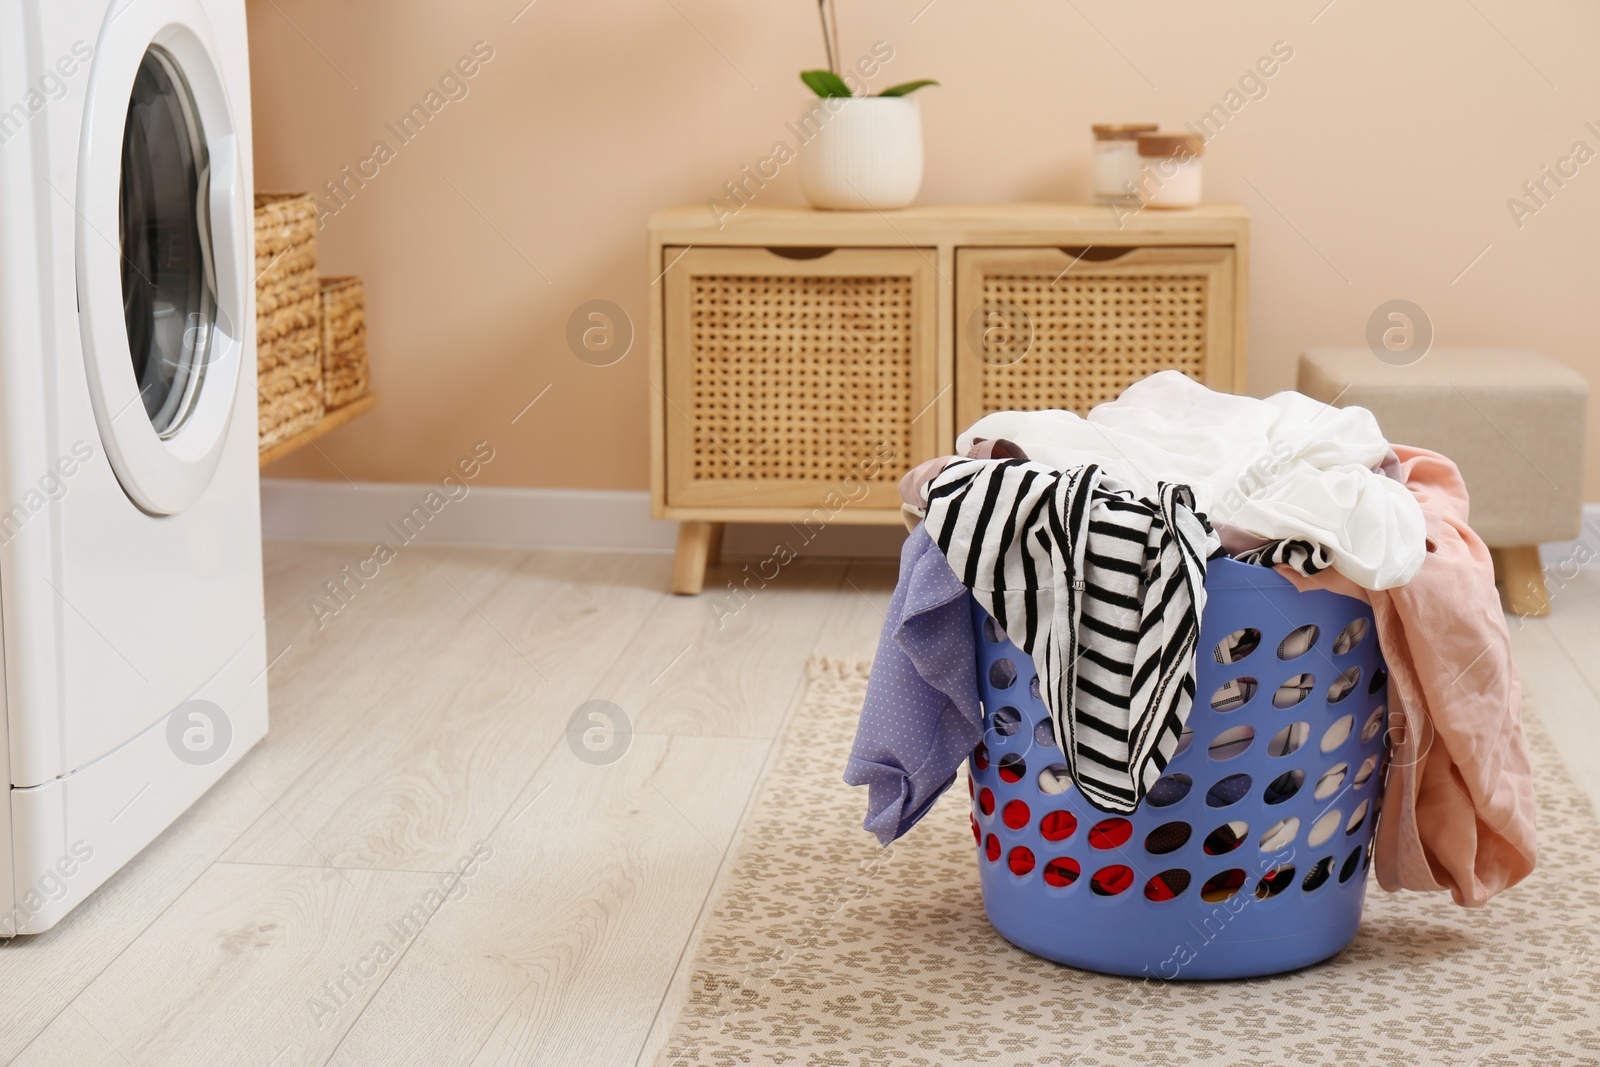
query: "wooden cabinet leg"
694, 551
1520, 576
714, 550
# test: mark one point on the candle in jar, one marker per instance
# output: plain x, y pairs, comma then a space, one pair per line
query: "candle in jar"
1170, 169
1116, 161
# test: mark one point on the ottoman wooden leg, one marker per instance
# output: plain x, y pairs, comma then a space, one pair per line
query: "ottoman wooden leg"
698, 542
1521, 579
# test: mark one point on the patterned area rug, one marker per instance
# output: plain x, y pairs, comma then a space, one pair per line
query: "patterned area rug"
825, 951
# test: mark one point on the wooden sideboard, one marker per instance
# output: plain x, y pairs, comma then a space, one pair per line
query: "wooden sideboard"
801, 361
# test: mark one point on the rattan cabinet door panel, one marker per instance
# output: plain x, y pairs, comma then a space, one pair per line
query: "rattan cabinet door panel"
798, 380
1070, 328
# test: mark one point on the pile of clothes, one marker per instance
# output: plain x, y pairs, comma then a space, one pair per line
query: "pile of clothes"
1086, 539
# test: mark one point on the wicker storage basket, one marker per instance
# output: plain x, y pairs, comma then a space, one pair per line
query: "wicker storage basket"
288, 316
344, 341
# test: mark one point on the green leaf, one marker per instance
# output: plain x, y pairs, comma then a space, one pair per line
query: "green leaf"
825, 83
907, 87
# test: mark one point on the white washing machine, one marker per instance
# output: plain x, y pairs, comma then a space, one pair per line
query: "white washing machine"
130, 529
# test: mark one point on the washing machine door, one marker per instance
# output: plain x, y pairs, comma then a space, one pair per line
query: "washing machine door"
164, 289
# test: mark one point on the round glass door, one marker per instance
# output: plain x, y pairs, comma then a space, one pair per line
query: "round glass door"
168, 284
166, 293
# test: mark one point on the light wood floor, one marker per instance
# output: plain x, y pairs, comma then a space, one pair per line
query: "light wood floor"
289, 918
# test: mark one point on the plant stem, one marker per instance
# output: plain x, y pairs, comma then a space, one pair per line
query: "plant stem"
833, 19
827, 38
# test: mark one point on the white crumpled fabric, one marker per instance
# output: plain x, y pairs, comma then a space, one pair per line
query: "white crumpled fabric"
1285, 467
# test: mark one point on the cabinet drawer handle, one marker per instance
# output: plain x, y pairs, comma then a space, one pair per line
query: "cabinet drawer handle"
800, 252
1096, 253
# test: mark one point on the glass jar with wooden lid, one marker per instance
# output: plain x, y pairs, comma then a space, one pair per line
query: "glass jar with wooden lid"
1116, 161
1170, 169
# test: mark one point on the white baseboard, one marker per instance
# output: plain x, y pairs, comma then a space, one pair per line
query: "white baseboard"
602, 520
589, 519
486, 515
1585, 551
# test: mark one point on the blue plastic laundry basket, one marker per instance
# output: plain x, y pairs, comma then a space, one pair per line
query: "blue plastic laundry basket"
1250, 855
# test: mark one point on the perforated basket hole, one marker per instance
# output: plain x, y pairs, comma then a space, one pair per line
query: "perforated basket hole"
1373, 725
1061, 871
1167, 885
1185, 739
1233, 695
1055, 779
992, 631
986, 800
1344, 685
1274, 882
1012, 767
991, 848
1299, 641
1020, 860
1225, 838
1033, 687
1002, 674
1293, 691
1338, 733
1015, 814
980, 756
1168, 837
1109, 881
1379, 677
1330, 781
1320, 872
1349, 637
1220, 887
1280, 835
1358, 817
1326, 826
1110, 833
1044, 733
1058, 825
1364, 772
977, 834
1351, 863
1284, 786
1229, 790
1007, 721
1237, 645
1288, 740
1231, 742
1169, 790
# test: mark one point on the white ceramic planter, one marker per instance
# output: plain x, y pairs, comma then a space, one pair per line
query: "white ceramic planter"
863, 152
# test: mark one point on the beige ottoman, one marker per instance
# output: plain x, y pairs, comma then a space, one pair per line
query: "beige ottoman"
1513, 421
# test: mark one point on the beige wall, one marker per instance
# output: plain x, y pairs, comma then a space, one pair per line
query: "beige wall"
1378, 165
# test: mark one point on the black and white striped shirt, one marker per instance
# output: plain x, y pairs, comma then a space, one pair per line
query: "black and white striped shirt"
1103, 590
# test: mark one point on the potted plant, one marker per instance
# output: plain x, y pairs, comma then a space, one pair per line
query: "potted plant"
858, 152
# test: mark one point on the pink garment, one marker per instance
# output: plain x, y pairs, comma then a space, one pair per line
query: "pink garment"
914, 483
1458, 808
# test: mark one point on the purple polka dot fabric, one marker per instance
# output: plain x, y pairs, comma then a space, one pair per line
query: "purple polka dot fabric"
921, 717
